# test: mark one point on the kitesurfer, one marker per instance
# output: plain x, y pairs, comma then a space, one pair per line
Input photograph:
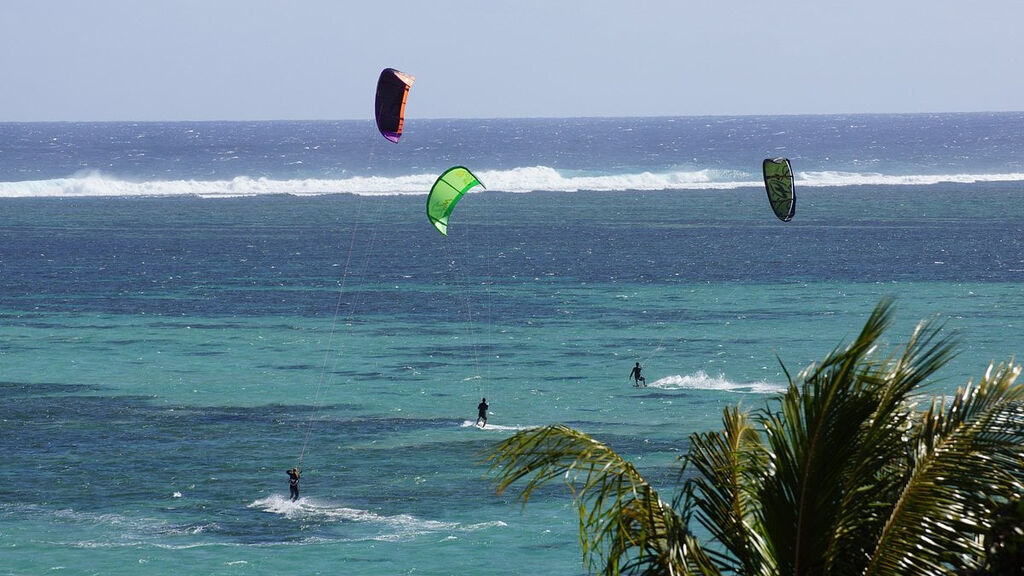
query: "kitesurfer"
293, 483
638, 380
481, 411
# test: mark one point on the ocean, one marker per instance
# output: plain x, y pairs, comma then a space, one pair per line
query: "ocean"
189, 309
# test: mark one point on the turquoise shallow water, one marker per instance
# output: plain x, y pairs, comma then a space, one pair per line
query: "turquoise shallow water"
163, 360
151, 426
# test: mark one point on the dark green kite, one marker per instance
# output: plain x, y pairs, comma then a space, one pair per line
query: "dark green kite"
778, 181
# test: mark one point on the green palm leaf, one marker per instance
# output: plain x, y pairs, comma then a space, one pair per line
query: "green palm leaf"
835, 445
624, 525
968, 462
728, 464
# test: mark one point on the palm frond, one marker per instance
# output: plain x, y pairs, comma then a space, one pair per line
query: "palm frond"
836, 445
623, 522
813, 440
877, 470
559, 451
668, 545
968, 461
728, 464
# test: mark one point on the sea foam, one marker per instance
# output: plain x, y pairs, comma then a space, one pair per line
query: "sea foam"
524, 179
390, 527
701, 381
494, 427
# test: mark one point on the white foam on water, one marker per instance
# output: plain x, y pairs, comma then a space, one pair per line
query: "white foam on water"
523, 179
383, 527
700, 380
497, 427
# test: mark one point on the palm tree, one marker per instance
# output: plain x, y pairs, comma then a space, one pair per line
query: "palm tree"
842, 474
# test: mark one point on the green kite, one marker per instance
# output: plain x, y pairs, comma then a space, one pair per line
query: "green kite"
778, 181
447, 189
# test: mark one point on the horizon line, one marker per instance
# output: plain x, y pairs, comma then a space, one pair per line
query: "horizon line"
512, 118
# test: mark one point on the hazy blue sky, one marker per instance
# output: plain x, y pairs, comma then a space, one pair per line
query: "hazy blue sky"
319, 59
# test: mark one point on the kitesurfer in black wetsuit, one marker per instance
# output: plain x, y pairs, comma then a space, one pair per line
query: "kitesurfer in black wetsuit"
481, 412
637, 378
293, 483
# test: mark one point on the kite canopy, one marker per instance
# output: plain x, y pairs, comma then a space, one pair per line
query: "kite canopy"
445, 193
392, 90
778, 181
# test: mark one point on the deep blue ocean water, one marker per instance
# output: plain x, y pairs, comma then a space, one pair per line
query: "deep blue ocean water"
189, 309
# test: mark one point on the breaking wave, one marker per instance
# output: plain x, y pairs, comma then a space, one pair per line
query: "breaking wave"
525, 179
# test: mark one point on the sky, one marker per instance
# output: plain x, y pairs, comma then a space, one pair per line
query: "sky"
151, 60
